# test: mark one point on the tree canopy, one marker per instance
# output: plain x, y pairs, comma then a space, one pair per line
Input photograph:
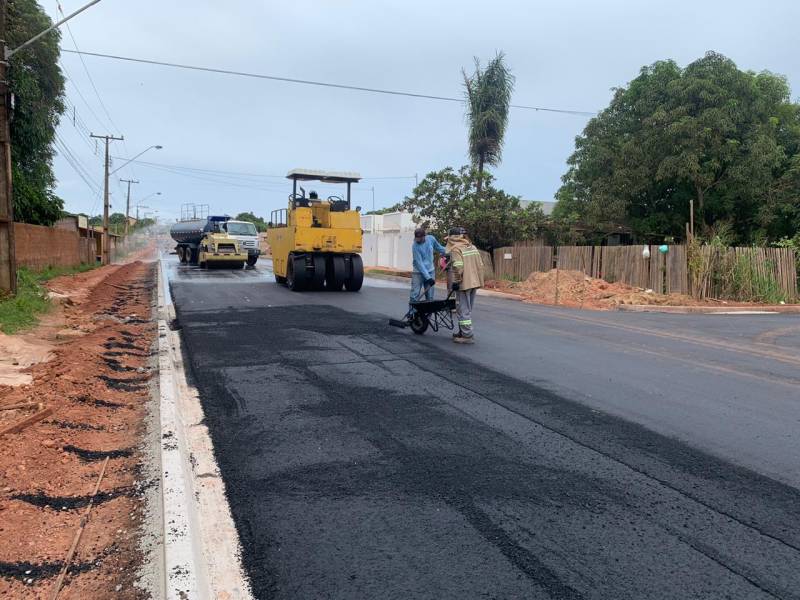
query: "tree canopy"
38, 85
488, 96
259, 222
726, 138
492, 218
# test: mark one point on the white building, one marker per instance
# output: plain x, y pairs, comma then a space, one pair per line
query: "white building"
387, 240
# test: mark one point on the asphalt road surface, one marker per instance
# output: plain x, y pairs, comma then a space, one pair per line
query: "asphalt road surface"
567, 454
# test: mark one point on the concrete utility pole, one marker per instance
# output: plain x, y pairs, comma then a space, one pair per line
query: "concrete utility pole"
106, 239
8, 266
128, 204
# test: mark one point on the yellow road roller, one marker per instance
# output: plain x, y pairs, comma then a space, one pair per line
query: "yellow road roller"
316, 242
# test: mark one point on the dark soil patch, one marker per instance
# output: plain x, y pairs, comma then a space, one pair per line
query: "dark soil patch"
71, 502
91, 455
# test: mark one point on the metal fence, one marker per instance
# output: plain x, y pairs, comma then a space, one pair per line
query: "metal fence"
662, 272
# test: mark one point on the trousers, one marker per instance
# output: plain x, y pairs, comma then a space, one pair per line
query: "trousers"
417, 285
465, 302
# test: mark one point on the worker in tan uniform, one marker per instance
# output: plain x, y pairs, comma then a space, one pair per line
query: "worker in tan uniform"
466, 275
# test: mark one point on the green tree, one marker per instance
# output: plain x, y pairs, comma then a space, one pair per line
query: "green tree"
38, 85
447, 198
725, 138
488, 96
259, 222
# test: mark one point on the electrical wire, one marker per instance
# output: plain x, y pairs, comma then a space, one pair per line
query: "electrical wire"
241, 174
94, 87
315, 83
76, 164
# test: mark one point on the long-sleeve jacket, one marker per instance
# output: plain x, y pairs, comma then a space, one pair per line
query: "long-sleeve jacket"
423, 256
466, 263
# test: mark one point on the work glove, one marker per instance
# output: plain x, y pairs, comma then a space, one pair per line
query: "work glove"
430, 282
455, 287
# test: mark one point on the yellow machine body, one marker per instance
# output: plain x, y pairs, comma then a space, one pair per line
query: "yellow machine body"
316, 243
314, 229
222, 250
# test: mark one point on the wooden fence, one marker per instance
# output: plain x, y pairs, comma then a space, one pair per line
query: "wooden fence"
662, 272
752, 274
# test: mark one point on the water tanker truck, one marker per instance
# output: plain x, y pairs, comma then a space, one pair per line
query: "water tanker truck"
216, 241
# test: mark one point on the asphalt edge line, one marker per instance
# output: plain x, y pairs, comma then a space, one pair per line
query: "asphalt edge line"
201, 545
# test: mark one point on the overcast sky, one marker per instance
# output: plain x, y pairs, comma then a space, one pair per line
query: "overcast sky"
566, 55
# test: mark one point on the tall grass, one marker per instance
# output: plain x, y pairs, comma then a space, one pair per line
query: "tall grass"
21, 311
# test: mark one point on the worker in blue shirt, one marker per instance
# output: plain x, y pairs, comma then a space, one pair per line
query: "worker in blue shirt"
423, 274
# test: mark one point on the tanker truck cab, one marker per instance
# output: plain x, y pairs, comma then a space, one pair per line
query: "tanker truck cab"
247, 235
218, 247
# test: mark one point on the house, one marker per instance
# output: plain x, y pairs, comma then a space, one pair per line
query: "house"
387, 240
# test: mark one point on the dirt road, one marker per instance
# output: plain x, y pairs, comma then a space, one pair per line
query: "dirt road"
98, 388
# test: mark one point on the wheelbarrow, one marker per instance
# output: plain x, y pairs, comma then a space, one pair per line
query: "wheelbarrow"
424, 314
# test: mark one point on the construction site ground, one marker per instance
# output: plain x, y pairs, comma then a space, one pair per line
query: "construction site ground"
82, 385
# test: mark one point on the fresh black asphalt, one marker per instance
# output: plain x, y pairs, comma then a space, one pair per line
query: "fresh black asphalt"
364, 462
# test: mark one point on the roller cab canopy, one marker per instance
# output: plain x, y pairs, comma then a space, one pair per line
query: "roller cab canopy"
324, 176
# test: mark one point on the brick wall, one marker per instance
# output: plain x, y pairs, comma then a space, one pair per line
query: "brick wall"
39, 247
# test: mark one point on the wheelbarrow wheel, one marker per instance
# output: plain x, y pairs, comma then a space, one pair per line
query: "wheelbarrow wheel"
419, 323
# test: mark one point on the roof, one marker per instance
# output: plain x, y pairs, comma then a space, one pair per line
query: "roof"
326, 176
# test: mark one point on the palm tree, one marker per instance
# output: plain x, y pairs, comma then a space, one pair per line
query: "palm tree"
488, 95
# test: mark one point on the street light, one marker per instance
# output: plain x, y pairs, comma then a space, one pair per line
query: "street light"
130, 160
140, 204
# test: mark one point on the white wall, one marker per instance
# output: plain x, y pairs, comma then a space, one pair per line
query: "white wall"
390, 249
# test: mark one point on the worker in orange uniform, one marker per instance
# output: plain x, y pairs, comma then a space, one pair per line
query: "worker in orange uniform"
466, 275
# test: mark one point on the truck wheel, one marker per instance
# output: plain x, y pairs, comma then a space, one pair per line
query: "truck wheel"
335, 273
181, 255
193, 254
251, 261
356, 279
318, 275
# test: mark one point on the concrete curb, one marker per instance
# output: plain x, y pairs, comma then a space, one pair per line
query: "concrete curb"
201, 544
710, 310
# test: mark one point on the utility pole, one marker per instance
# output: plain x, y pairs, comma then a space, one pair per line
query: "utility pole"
373, 198
128, 205
106, 239
8, 265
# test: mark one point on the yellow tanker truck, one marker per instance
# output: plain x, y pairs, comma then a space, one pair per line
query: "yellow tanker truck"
316, 243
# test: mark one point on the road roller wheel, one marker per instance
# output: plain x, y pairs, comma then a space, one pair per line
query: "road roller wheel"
335, 273
356, 276
296, 275
317, 282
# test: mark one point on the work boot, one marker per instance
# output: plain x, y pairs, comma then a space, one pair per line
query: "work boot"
460, 339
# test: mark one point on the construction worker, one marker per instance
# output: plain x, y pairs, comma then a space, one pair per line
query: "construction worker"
466, 275
423, 273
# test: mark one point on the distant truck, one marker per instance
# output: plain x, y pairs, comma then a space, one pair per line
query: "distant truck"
247, 234
216, 240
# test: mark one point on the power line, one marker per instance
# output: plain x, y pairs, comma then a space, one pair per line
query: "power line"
316, 83
94, 87
86, 70
239, 174
76, 164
